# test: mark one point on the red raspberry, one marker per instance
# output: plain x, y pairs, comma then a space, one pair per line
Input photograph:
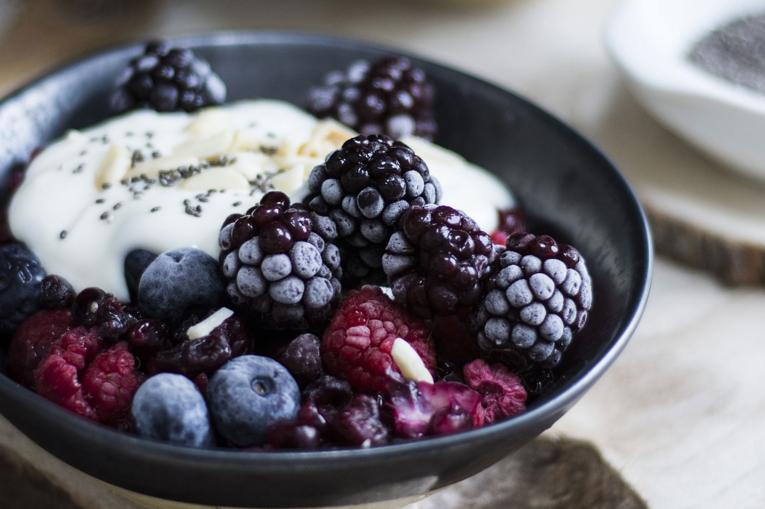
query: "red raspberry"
502, 393
359, 339
110, 383
32, 341
79, 376
423, 409
499, 238
57, 376
511, 221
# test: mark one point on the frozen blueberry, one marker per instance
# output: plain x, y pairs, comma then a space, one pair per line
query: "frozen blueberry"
248, 394
180, 282
21, 276
136, 262
170, 408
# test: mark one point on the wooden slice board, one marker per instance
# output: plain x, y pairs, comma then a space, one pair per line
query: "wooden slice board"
701, 214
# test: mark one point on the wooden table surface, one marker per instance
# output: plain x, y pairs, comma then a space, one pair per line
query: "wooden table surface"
681, 413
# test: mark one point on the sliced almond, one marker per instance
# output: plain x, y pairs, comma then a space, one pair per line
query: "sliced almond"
216, 178
290, 180
251, 164
247, 139
409, 362
208, 122
207, 148
113, 167
328, 135
206, 326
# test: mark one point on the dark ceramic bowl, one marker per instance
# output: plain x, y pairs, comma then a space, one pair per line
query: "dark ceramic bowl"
566, 185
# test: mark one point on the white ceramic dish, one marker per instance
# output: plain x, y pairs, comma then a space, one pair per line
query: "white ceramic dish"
650, 39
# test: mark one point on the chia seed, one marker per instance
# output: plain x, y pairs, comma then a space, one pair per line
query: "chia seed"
135, 158
154, 209
735, 52
63, 234
104, 216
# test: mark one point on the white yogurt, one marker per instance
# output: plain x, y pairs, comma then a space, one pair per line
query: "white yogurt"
90, 198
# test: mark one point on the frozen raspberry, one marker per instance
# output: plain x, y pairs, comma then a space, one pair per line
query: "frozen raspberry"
323, 400
437, 260
280, 264
364, 187
359, 423
537, 298
288, 435
421, 409
206, 354
57, 377
110, 382
33, 340
511, 221
389, 96
147, 337
357, 344
502, 393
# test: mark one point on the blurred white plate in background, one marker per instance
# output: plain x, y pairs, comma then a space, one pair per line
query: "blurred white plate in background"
650, 40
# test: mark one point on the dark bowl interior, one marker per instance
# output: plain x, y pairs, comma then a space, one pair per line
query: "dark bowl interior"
566, 185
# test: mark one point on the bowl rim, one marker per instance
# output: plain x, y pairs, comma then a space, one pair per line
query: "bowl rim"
99, 435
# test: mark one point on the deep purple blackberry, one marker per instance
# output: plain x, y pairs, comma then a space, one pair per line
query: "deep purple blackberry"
390, 96
537, 298
280, 264
289, 435
437, 260
168, 79
95, 308
364, 187
192, 357
302, 358
56, 292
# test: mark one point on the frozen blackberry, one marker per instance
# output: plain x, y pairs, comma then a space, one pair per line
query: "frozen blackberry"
364, 187
437, 260
280, 264
537, 298
389, 96
168, 79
